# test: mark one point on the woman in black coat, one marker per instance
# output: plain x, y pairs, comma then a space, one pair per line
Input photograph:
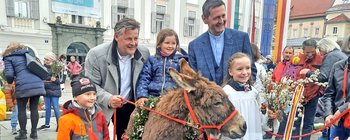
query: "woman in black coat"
28, 87
53, 90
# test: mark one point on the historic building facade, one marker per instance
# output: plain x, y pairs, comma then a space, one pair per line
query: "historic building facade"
73, 27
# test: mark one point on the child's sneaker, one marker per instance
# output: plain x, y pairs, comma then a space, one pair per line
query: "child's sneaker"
43, 127
14, 131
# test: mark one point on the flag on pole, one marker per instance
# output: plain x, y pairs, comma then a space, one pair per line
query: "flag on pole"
291, 116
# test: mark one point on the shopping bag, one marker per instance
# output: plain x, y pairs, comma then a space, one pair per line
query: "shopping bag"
35, 67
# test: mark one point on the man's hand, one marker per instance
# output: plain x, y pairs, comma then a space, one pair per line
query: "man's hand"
328, 119
331, 117
141, 101
115, 101
304, 71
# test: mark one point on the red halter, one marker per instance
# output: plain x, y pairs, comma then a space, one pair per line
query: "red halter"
202, 127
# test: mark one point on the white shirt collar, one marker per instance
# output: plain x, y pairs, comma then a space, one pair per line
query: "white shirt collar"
216, 37
123, 58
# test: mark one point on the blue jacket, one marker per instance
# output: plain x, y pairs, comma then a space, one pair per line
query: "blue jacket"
27, 83
52, 88
201, 56
154, 78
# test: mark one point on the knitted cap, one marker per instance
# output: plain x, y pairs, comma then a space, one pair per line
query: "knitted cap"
269, 57
51, 56
80, 85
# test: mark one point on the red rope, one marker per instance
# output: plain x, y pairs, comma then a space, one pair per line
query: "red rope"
345, 81
318, 130
218, 127
114, 123
187, 101
161, 114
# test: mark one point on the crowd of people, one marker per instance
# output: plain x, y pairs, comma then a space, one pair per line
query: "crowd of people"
24, 89
122, 69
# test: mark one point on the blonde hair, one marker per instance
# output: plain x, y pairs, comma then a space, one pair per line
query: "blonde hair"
327, 45
235, 56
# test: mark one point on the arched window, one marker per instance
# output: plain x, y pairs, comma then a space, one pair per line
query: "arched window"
79, 50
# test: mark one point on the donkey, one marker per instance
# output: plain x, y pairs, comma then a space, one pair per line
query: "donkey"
210, 105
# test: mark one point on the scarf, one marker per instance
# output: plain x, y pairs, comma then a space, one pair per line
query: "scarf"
239, 86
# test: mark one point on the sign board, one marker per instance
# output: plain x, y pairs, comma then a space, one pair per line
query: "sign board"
87, 8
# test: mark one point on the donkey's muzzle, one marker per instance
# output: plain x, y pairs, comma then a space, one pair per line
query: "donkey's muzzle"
239, 134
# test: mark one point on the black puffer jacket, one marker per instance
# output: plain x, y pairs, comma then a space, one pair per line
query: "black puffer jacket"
333, 96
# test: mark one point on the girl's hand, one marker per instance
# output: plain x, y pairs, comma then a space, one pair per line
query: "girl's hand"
141, 101
272, 115
53, 78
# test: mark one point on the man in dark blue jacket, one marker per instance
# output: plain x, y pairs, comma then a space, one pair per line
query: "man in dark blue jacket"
209, 53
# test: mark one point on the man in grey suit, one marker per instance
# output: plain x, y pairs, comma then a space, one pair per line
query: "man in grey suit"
114, 68
209, 53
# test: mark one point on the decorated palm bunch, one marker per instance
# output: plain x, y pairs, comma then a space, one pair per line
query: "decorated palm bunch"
279, 95
56, 68
141, 119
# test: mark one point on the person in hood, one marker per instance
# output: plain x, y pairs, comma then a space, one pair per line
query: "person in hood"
81, 117
154, 78
269, 63
28, 86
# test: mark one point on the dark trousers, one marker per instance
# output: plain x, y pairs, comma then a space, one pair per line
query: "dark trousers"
72, 77
123, 116
34, 114
63, 80
339, 131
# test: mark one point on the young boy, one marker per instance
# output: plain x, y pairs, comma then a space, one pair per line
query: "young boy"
81, 117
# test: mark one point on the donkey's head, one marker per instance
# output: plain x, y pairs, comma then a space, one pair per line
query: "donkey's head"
209, 102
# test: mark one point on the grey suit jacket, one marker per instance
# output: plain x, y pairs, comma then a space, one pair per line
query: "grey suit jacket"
101, 67
201, 55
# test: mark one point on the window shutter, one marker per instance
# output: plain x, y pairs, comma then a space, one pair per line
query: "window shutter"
196, 27
153, 22
10, 8
114, 15
34, 9
167, 20
185, 26
131, 12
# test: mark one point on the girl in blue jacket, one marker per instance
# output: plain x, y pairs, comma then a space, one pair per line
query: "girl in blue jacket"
154, 78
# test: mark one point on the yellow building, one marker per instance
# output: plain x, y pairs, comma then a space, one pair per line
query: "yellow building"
307, 21
338, 21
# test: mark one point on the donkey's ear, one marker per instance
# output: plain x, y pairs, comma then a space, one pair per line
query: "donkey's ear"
182, 80
185, 68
